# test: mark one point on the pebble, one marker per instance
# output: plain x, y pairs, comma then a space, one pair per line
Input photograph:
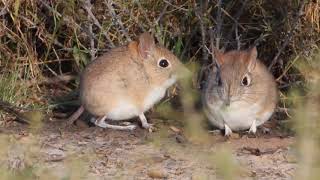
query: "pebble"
175, 129
157, 174
82, 124
235, 136
55, 155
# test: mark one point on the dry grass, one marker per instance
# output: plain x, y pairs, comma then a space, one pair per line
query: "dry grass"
41, 40
45, 44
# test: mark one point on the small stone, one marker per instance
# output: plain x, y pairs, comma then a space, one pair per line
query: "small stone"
82, 143
16, 162
157, 174
126, 123
234, 136
55, 155
81, 124
215, 132
250, 135
181, 139
175, 129
158, 159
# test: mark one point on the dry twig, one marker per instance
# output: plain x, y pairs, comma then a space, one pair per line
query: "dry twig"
9, 108
97, 23
200, 15
93, 50
219, 24
288, 38
236, 24
117, 18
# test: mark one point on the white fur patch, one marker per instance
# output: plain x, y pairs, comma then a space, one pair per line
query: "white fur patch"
157, 93
239, 116
265, 117
124, 110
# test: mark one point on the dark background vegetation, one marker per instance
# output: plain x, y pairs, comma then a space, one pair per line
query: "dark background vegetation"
45, 44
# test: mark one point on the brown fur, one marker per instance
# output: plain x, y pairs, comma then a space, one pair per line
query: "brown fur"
127, 72
233, 66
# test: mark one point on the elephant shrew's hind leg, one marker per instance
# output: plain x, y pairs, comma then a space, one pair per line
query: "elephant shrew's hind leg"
102, 123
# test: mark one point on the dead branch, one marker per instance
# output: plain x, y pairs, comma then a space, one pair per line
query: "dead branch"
74, 116
4, 10
200, 15
238, 38
289, 36
205, 56
151, 25
219, 24
11, 109
177, 7
54, 80
69, 21
236, 23
117, 18
97, 23
257, 41
163, 12
188, 43
93, 50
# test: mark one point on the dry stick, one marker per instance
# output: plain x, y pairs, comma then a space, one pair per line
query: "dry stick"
218, 38
44, 62
238, 38
55, 80
288, 67
158, 36
257, 41
4, 10
163, 12
203, 29
188, 43
144, 13
136, 20
69, 21
212, 46
75, 116
93, 50
219, 25
177, 7
9, 108
290, 35
235, 25
160, 16
31, 55
58, 58
97, 23
57, 43
205, 56
116, 17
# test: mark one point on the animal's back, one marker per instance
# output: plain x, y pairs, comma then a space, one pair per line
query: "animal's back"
270, 97
105, 82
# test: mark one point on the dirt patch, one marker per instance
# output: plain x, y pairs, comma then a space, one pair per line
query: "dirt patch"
110, 154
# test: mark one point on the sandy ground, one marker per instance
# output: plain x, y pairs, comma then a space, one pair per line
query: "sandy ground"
96, 153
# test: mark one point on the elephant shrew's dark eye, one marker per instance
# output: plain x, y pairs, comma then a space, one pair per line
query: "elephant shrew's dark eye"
246, 81
163, 63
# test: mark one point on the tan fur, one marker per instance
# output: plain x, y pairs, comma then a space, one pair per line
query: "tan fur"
258, 100
125, 73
